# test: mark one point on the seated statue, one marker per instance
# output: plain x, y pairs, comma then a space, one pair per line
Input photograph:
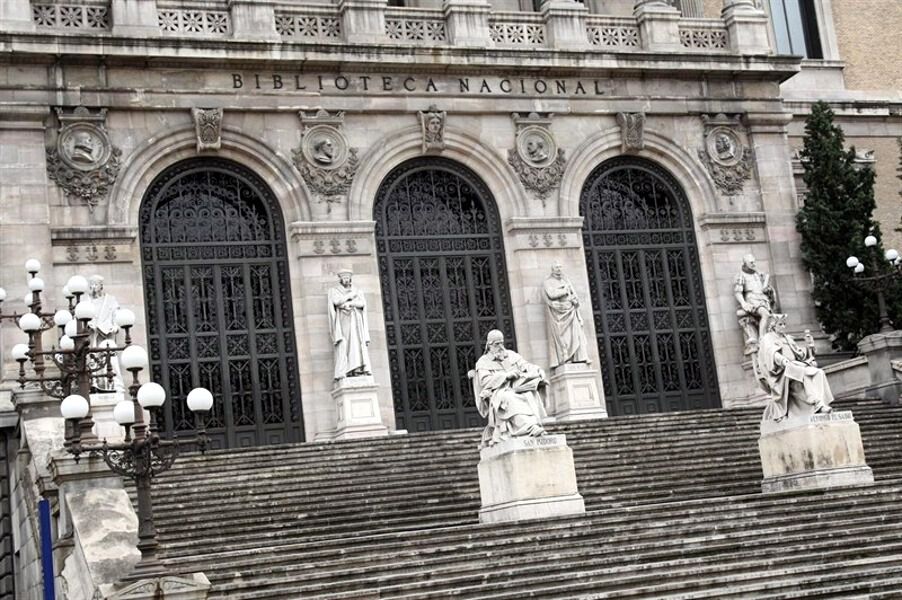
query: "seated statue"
789, 373
508, 393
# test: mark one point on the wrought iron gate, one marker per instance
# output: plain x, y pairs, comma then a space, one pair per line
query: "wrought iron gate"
649, 303
444, 286
217, 303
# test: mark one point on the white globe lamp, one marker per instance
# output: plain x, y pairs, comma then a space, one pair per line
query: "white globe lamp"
32, 265
67, 343
852, 262
29, 322
124, 412
133, 357
200, 400
74, 407
151, 395
77, 284
19, 352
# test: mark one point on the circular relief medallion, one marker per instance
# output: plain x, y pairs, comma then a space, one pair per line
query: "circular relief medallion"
325, 147
536, 146
724, 146
84, 146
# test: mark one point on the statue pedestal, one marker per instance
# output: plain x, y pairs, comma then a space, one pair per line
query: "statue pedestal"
881, 349
820, 451
528, 478
357, 407
574, 393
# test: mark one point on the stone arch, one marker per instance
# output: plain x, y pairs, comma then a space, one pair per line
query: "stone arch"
158, 153
686, 168
404, 144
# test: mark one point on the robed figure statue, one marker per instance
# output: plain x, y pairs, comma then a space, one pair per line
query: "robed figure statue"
508, 393
789, 373
349, 328
566, 337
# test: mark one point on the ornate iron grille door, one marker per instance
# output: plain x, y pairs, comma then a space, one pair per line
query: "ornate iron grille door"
649, 303
218, 309
444, 286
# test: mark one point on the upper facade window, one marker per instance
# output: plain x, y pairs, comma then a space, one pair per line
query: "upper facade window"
795, 27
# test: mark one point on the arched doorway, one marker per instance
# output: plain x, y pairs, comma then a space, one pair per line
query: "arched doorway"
646, 284
217, 302
444, 286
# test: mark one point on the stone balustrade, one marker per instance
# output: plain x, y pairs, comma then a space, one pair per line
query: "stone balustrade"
562, 24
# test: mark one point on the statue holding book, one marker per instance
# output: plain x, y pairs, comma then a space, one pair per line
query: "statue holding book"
509, 393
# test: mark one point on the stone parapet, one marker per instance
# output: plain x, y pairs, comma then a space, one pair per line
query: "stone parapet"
821, 451
528, 478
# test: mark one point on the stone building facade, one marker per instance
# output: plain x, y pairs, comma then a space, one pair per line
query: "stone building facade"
317, 116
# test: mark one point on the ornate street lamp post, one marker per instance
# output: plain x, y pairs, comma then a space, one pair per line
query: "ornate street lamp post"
75, 366
884, 277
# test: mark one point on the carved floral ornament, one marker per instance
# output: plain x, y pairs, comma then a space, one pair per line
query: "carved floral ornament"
632, 131
536, 159
325, 160
83, 161
726, 153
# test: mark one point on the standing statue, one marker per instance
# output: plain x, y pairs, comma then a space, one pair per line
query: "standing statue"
757, 302
103, 328
349, 328
508, 393
789, 373
566, 337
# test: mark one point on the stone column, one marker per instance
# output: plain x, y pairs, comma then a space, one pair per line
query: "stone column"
363, 21
658, 25
468, 22
15, 15
253, 20
693, 8
135, 18
566, 24
746, 27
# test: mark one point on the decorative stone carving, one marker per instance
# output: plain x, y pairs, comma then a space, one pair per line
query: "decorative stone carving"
325, 160
789, 373
536, 159
349, 328
632, 131
208, 128
757, 301
566, 336
191, 587
509, 393
84, 162
432, 125
726, 153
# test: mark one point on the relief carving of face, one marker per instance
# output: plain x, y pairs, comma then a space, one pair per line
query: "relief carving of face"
324, 151
535, 149
724, 146
83, 148
434, 124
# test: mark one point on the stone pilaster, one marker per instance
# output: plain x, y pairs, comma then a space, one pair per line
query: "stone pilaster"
658, 25
363, 21
565, 21
135, 18
746, 27
468, 22
253, 20
15, 15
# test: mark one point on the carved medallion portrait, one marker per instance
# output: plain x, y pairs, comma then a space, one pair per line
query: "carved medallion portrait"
325, 147
536, 146
83, 146
724, 146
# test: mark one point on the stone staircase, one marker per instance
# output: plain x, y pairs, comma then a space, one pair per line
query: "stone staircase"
675, 511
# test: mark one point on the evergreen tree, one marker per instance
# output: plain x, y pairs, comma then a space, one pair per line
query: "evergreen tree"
836, 218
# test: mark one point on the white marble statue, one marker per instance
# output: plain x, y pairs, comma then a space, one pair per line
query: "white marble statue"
566, 336
789, 373
104, 329
349, 328
509, 393
756, 299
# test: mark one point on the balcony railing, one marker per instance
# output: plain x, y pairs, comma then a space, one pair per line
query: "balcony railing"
296, 22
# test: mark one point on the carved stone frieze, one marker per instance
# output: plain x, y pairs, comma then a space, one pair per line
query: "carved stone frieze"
536, 159
632, 131
326, 161
432, 125
726, 153
208, 128
83, 162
